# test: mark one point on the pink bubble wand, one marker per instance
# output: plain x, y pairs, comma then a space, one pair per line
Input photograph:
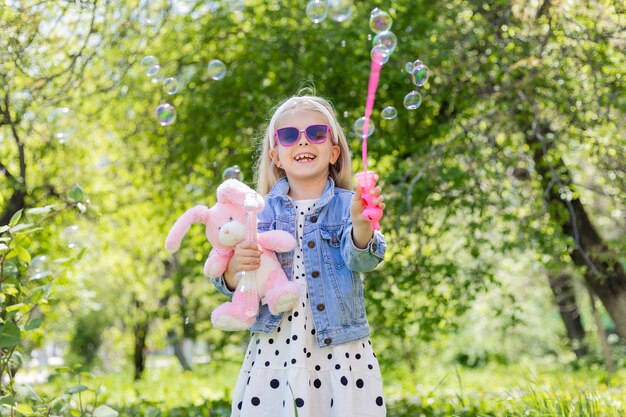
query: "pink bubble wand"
249, 284
367, 179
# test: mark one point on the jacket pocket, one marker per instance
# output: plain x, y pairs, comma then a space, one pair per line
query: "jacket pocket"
331, 245
266, 226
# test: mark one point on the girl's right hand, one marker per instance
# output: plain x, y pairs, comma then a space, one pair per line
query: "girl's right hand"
247, 257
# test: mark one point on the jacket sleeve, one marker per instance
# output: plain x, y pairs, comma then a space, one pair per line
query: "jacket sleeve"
363, 260
220, 284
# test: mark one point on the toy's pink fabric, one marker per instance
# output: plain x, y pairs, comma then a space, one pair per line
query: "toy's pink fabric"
277, 240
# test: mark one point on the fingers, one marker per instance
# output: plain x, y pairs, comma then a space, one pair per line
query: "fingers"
379, 200
247, 256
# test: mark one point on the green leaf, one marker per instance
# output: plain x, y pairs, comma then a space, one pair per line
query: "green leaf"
22, 254
76, 194
7, 399
27, 392
104, 411
24, 409
18, 307
20, 227
62, 370
4, 228
40, 210
10, 335
76, 389
3, 247
15, 219
34, 324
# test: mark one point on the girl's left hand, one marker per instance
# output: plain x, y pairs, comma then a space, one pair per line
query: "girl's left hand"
357, 206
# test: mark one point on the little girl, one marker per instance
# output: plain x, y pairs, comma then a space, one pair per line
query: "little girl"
316, 359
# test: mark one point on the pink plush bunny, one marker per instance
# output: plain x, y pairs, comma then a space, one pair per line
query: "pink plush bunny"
225, 228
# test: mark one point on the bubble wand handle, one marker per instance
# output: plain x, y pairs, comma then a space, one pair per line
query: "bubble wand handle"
250, 283
367, 179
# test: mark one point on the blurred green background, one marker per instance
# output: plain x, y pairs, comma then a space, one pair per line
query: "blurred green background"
503, 291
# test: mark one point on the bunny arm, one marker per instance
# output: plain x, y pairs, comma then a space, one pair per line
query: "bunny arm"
277, 240
197, 214
217, 262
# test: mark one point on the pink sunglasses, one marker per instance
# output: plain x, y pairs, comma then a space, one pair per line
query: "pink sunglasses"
289, 136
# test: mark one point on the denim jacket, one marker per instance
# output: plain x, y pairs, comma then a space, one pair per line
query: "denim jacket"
332, 262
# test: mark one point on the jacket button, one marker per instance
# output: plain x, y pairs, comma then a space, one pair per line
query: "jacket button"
374, 246
311, 244
315, 274
313, 219
328, 341
321, 307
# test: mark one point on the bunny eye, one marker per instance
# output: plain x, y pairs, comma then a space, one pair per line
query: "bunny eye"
231, 219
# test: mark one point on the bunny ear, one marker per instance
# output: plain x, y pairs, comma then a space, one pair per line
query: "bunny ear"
234, 192
197, 214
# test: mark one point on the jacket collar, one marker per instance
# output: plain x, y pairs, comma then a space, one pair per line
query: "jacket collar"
281, 188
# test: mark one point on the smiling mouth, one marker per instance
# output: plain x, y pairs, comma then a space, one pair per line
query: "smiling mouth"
305, 158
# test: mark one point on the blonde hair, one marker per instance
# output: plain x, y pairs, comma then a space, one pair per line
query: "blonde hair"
267, 173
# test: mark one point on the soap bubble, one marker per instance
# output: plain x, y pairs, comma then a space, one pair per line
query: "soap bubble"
153, 70
233, 172
340, 10
380, 21
62, 124
380, 54
419, 73
357, 127
39, 267
389, 113
70, 235
387, 39
149, 61
408, 67
413, 100
317, 10
165, 114
170, 85
216, 69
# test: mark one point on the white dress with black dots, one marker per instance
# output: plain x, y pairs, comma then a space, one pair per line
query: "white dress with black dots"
287, 370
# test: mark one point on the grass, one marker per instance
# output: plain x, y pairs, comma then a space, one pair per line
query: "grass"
523, 390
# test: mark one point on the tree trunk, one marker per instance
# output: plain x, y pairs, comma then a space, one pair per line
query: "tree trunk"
604, 344
604, 272
565, 298
141, 334
178, 350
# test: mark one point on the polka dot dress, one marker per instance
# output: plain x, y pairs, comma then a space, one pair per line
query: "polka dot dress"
287, 371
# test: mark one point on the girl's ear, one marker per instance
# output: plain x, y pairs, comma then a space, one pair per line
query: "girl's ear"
334, 154
274, 157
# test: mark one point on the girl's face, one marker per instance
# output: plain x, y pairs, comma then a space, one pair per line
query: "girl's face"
304, 160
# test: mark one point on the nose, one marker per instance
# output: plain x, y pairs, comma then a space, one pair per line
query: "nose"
303, 140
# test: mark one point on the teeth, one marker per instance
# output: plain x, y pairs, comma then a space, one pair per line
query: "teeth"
307, 157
